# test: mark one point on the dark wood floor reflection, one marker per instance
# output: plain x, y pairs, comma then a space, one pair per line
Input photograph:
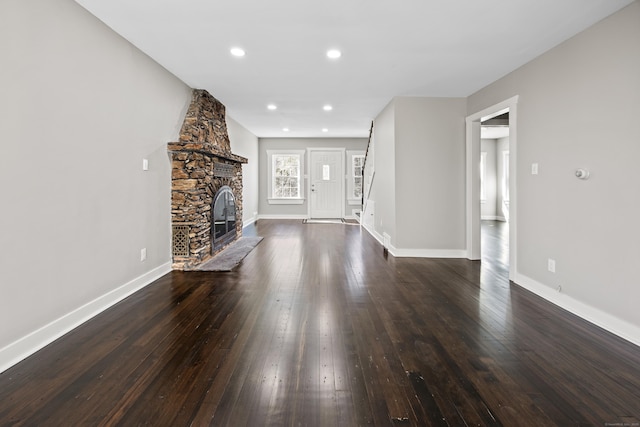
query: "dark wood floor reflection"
318, 328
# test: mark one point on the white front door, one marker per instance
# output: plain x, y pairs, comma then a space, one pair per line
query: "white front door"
326, 184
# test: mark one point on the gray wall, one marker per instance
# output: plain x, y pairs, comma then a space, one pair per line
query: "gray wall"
419, 175
284, 211
578, 107
430, 166
244, 143
80, 108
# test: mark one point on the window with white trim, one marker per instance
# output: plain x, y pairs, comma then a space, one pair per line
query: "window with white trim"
355, 176
286, 176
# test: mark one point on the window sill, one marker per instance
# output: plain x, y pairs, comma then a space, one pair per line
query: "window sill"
285, 201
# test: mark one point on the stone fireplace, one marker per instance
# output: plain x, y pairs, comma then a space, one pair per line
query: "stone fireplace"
206, 185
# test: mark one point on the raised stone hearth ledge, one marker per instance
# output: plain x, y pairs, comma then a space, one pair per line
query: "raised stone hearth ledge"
201, 164
206, 150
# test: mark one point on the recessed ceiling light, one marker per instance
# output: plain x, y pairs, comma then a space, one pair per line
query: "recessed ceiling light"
325, 130
272, 107
285, 129
327, 108
236, 51
334, 54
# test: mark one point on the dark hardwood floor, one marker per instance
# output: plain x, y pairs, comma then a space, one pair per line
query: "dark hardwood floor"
319, 328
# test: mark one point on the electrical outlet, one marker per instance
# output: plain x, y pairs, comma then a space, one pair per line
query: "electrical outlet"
143, 254
145, 164
551, 265
534, 169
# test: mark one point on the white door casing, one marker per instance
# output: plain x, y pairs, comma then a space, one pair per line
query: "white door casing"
473, 185
326, 189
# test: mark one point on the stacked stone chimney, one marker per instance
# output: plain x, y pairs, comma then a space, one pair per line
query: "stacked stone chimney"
201, 163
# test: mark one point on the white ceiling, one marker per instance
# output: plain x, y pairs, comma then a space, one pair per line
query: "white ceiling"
494, 132
439, 48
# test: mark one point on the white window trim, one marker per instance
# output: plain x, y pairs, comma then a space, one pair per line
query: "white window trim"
349, 177
281, 200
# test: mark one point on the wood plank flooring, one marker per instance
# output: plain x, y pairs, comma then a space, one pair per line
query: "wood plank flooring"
318, 327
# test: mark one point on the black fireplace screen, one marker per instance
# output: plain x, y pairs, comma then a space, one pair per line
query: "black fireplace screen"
224, 218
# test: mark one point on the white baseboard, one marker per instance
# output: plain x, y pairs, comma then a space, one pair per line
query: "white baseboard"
417, 253
428, 253
36, 340
493, 218
249, 222
282, 217
374, 233
613, 324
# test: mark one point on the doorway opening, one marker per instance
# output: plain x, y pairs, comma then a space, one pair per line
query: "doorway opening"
491, 184
494, 191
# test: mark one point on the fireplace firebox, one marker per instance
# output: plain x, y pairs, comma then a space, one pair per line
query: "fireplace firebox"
224, 218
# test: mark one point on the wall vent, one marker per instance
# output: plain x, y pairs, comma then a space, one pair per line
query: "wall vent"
180, 240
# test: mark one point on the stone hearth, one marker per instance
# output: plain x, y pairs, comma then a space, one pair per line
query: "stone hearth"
201, 164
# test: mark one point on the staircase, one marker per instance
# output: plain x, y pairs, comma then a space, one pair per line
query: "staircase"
366, 191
